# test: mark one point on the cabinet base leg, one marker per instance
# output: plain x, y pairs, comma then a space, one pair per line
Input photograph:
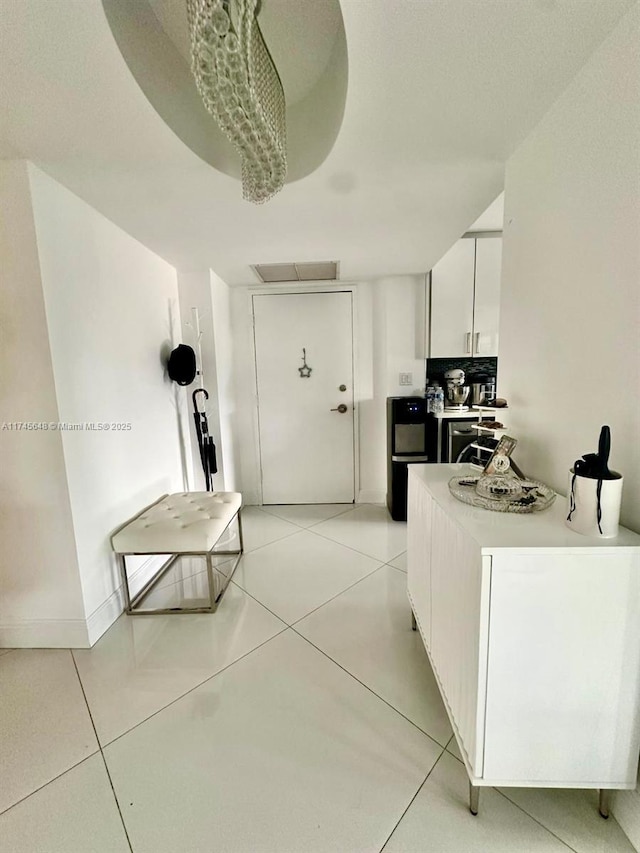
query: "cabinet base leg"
603, 805
474, 798
414, 624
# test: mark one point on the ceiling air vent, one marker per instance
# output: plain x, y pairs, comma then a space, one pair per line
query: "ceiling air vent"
308, 271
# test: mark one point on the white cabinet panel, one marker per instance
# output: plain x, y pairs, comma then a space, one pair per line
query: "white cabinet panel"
452, 302
534, 636
459, 628
564, 668
487, 296
419, 557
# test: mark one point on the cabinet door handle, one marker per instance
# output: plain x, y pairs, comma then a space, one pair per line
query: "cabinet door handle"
476, 346
467, 343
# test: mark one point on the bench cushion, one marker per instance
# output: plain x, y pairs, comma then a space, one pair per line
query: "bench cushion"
179, 523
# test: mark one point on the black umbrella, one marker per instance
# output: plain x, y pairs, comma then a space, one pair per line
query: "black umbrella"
205, 442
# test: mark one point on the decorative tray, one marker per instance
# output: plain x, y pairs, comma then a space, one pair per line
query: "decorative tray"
534, 496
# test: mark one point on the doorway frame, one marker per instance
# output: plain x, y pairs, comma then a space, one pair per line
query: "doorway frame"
311, 287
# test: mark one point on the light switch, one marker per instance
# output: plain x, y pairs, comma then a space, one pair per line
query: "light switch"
406, 379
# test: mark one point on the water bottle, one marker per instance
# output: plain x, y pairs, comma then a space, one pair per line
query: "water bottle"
431, 392
438, 401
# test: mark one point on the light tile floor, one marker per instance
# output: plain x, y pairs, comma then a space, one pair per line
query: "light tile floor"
302, 716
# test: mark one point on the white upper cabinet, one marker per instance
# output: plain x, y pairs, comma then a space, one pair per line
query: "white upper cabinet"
465, 299
486, 311
452, 301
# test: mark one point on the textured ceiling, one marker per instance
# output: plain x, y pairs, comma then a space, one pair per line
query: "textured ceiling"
440, 93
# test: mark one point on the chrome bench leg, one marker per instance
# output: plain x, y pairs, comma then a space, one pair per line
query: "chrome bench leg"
122, 560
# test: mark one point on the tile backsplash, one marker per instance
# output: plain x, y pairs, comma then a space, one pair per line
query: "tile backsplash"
436, 367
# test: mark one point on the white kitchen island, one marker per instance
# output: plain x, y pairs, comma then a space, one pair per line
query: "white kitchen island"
533, 632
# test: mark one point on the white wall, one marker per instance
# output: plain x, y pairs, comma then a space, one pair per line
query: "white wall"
248, 461
570, 313
205, 291
223, 342
40, 592
194, 288
396, 312
386, 345
112, 314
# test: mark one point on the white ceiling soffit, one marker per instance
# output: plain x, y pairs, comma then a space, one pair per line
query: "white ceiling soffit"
308, 271
308, 46
440, 93
492, 218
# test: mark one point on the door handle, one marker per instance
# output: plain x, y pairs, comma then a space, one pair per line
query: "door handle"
476, 345
467, 343
341, 408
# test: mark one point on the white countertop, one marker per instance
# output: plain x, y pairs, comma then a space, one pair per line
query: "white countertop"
493, 530
491, 414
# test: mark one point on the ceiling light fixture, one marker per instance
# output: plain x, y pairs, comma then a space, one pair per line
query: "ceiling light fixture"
241, 88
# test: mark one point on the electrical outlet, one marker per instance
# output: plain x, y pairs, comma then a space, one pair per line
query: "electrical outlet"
406, 379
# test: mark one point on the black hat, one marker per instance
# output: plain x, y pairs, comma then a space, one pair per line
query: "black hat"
182, 365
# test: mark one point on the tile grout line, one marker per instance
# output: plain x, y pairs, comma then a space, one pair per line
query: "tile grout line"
366, 686
314, 523
104, 760
420, 787
517, 805
333, 597
320, 606
55, 778
266, 544
346, 671
446, 751
323, 536
196, 686
286, 628
535, 819
355, 550
337, 595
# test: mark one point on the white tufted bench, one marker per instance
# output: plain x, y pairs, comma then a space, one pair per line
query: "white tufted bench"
183, 524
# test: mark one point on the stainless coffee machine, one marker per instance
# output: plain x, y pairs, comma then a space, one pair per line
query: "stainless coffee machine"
483, 389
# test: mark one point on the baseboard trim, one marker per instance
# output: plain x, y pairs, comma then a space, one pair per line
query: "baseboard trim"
76, 633
45, 634
106, 614
371, 496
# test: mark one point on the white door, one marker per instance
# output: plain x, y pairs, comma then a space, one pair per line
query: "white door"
306, 442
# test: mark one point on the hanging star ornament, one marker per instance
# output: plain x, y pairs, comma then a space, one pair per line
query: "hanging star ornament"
305, 370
